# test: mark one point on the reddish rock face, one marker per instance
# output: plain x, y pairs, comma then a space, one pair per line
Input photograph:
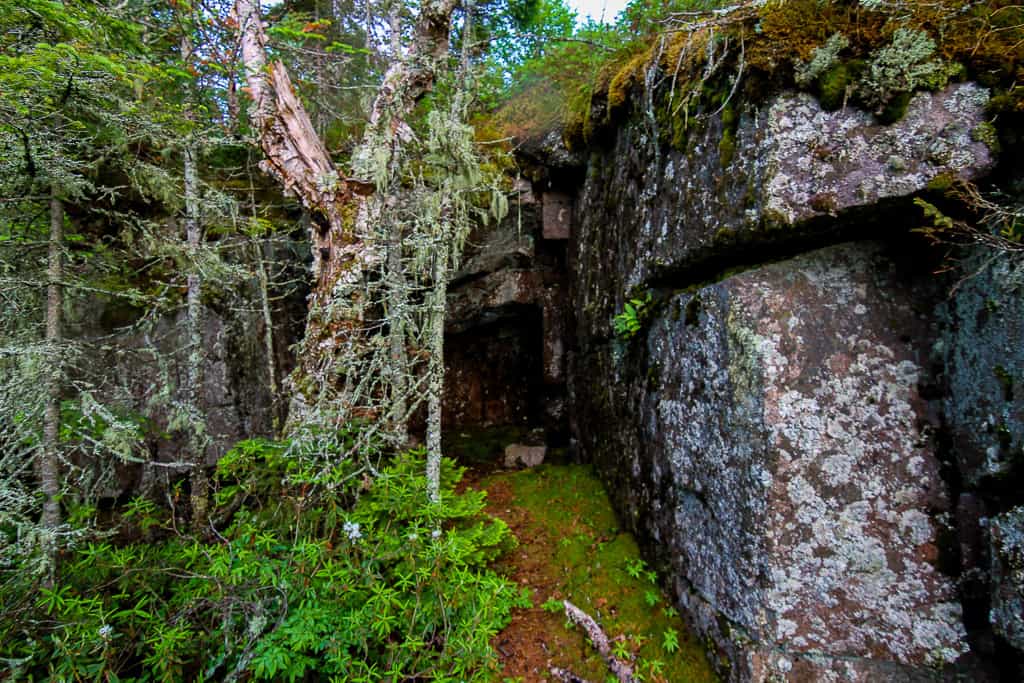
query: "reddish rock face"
505, 343
557, 216
770, 437
493, 375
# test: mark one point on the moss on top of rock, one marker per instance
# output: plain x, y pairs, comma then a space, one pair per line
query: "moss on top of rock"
846, 52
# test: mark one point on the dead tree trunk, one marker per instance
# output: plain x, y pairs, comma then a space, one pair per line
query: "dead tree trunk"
348, 249
622, 671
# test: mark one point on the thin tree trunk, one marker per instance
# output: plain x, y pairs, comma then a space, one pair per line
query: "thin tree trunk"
198, 479
234, 109
395, 28
49, 464
262, 258
268, 332
435, 369
199, 483
399, 357
397, 294
368, 23
320, 68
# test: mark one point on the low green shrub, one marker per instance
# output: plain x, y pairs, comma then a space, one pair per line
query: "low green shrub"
316, 573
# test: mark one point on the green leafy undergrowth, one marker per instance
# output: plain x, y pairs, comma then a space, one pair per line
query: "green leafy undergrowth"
306, 580
573, 549
635, 313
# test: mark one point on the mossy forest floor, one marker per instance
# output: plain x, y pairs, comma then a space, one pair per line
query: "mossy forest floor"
571, 548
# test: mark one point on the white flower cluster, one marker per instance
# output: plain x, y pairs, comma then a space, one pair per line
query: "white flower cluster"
351, 530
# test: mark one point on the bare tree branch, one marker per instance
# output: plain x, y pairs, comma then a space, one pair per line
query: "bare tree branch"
621, 670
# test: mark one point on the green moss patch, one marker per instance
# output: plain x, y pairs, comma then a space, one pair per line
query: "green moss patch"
572, 548
873, 56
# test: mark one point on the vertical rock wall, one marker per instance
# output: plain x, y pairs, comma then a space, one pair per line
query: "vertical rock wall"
775, 430
983, 351
774, 446
145, 363
506, 328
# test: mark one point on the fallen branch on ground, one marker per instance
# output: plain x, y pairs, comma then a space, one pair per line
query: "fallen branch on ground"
621, 670
566, 676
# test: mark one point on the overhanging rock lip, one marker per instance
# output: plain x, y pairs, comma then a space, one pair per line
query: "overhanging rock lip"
820, 162
794, 183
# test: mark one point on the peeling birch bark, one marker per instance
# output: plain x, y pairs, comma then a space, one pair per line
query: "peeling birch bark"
294, 154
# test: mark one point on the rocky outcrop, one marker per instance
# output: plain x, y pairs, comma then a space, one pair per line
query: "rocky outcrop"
984, 357
982, 347
1008, 576
234, 395
505, 329
518, 455
776, 449
145, 354
774, 430
795, 175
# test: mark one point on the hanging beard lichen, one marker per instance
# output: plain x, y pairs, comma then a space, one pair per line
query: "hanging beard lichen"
435, 189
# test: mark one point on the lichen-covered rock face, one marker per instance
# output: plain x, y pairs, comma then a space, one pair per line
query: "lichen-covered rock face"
234, 395
982, 352
825, 162
768, 436
1008, 576
984, 358
793, 171
493, 374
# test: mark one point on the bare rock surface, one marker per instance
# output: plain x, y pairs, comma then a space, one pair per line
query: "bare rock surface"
825, 162
1007, 615
771, 431
520, 456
